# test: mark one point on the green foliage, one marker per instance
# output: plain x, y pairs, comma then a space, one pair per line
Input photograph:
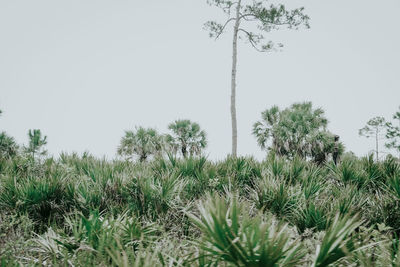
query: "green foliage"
312, 184
338, 241
313, 216
187, 137
142, 143
36, 143
349, 172
393, 133
8, 146
375, 128
100, 232
230, 235
15, 230
154, 197
389, 253
393, 186
276, 196
321, 144
390, 168
298, 130
241, 171
82, 211
264, 17
85, 235
126, 258
39, 197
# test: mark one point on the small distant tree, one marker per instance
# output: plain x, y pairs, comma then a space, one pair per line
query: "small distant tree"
298, 130
393, 133
251, 19
36, 143
143, 142
187, 137
375, 128
8, 146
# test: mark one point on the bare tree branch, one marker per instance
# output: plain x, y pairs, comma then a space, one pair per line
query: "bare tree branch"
223, 27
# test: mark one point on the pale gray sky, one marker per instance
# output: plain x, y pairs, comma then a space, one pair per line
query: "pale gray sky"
84, 71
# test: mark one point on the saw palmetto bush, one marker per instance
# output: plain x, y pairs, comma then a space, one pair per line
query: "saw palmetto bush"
276, 196
8, 146
349, 172
390, 168
154, 197
230, 235
393, 186
15, 233
41, 198
94, 236
241, 170
312, 216
338, 242
312, 183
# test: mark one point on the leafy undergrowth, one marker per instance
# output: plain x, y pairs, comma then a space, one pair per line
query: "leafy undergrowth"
82, 211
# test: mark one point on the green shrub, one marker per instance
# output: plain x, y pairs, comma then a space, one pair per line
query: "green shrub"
338, 242
314, 217
276, 196
230, 235
154, 197
40, 197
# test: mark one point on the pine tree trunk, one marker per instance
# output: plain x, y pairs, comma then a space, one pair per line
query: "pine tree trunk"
233, 81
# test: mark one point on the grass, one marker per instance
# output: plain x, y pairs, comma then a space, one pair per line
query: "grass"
83, 211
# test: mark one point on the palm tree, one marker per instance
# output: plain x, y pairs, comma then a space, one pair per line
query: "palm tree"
141, 142
36, 143
263, 130
298, 130
8, 146
187, 136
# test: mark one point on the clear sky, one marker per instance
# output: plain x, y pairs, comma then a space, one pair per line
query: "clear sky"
85, 71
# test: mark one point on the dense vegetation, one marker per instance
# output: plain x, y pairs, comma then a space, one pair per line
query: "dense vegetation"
164, 204
79, 210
